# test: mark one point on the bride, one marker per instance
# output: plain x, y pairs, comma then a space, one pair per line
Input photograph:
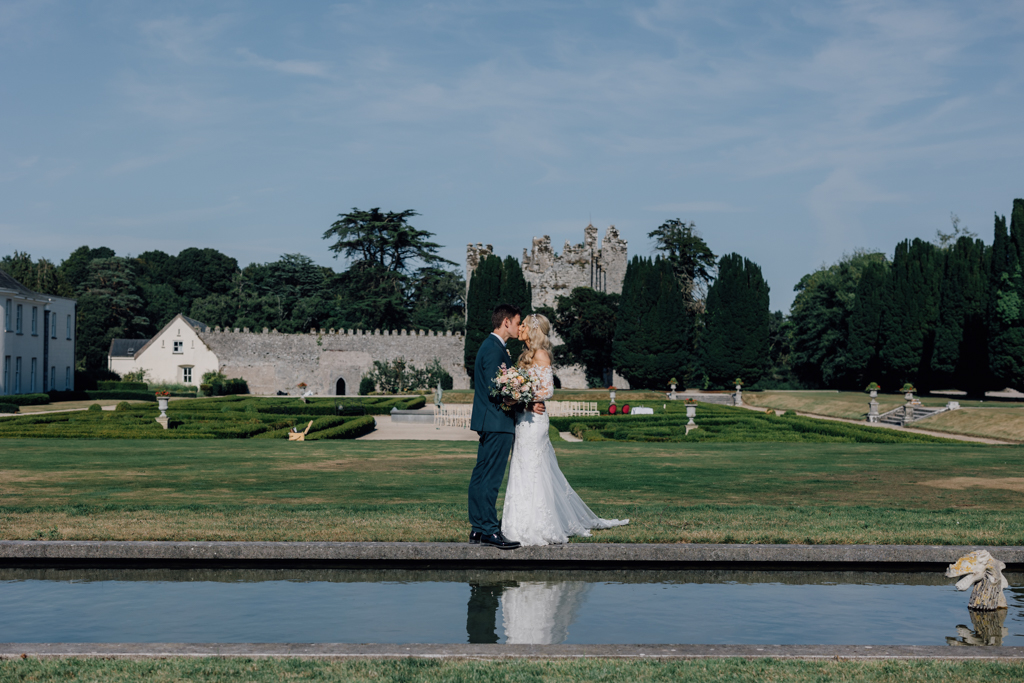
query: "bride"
540, 506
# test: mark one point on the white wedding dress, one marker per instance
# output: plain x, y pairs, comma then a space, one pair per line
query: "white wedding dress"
540, 506
541, 612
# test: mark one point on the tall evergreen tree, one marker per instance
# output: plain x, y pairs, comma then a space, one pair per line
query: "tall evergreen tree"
515, 290
585, 320
735, 343
961, 340
654, 330
484, 294
864, 339
1006, 309
911, 313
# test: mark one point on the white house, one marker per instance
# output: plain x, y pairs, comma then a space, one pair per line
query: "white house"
37, 344
176, 355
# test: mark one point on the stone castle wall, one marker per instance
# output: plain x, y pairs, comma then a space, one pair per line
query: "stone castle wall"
581, 265
272, 361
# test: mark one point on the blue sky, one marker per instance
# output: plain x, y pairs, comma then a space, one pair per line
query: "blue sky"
789, 132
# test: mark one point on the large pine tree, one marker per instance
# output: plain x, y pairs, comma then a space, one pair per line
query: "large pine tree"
961, 340
736, 334
864, 339
911, 313
654, 331
484, 295
1006, 306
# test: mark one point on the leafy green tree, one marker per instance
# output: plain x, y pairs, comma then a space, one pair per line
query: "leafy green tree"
865, 327
438, 300
960, 359
586, 320
39, 276
484, 294
735, 342
75, 268
110, 307
216, 310
691, 259
911, 313
820, 320
162, 303
654, 330
1006, 310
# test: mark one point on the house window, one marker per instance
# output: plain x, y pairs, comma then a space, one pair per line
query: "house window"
17, 321
32, 377
7, 374
7, 316
35, 320
17, 375
53, 325
186, 375
67, 378
53, 378
69, 327
177, 346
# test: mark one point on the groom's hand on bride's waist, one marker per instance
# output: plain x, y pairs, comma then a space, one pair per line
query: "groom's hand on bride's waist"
537, 407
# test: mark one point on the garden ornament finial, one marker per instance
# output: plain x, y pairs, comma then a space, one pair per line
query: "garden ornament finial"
985, 573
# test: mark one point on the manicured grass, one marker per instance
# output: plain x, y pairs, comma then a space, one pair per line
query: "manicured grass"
75, 405
597, 395
994, 423
853, 405
453, 671
402, 490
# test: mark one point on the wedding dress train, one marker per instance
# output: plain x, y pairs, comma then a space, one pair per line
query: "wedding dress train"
540, 612
540, 506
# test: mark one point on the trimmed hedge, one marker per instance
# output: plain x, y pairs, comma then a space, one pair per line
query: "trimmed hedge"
9, 407
122, 395
352, 429
27, 399
106, 385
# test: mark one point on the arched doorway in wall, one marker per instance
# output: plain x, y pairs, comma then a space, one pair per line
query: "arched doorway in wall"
340, 388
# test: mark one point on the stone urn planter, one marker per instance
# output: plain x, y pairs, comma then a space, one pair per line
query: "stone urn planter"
611, 394
691, 412
161, 403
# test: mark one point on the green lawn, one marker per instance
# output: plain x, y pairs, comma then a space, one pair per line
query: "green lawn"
405, 491
453, 671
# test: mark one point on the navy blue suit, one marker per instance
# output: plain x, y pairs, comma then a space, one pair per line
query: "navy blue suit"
497, 430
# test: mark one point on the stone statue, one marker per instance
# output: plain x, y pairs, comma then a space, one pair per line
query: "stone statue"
985, 573
439, 395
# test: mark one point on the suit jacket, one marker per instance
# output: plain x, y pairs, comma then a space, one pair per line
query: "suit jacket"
487, 413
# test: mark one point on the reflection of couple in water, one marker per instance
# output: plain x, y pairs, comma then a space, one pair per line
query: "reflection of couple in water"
532, 612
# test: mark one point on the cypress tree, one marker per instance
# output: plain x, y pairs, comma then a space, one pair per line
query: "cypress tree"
515, 290
1006, 309
961, 339
484, 294
736, 334
911, 313
654, 331
864, 338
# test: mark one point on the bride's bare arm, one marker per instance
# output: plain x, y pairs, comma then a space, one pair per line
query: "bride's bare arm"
542, 361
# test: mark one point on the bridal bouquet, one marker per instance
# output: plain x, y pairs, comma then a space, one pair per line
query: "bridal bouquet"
514, 383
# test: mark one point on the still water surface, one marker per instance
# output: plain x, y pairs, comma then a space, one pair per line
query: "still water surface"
542, 607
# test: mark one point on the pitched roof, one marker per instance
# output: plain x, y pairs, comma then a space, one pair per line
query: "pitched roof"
202, 327
125, 348
195, 324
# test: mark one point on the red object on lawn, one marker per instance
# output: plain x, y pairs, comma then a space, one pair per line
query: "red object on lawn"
625, 409
611, 409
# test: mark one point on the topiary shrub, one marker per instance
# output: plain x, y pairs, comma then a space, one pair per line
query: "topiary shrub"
366, 386
94, 407
27, 399
122, 407
8, 408
577, 429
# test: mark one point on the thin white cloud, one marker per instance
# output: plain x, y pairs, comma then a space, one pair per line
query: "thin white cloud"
696, 207
286, 66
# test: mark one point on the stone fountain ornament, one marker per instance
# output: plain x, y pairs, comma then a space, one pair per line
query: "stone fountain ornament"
985, 573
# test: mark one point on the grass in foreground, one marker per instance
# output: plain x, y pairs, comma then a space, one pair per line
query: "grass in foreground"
404, 491
381, 671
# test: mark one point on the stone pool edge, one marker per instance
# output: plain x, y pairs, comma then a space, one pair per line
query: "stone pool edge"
464, 555
392, 651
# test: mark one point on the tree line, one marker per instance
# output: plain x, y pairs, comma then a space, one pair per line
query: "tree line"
394, 279
948, 314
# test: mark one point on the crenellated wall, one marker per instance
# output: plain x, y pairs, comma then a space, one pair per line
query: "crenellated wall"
271, 361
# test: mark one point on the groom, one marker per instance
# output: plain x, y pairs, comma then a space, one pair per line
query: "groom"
496, 427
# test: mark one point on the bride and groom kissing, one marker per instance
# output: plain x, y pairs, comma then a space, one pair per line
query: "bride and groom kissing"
540, 506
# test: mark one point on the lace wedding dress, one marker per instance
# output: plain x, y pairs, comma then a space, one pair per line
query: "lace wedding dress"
540, 506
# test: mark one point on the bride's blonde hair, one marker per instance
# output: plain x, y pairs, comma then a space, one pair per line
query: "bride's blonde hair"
538, 327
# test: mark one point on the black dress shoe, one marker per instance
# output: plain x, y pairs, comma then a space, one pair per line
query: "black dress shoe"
474, 537
499, 541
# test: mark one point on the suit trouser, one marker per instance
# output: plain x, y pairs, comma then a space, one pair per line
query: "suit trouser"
491, 459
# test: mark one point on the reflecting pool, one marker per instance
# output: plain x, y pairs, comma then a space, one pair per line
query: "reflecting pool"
539, 607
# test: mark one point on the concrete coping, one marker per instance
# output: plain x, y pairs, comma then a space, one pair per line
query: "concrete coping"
463, 555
